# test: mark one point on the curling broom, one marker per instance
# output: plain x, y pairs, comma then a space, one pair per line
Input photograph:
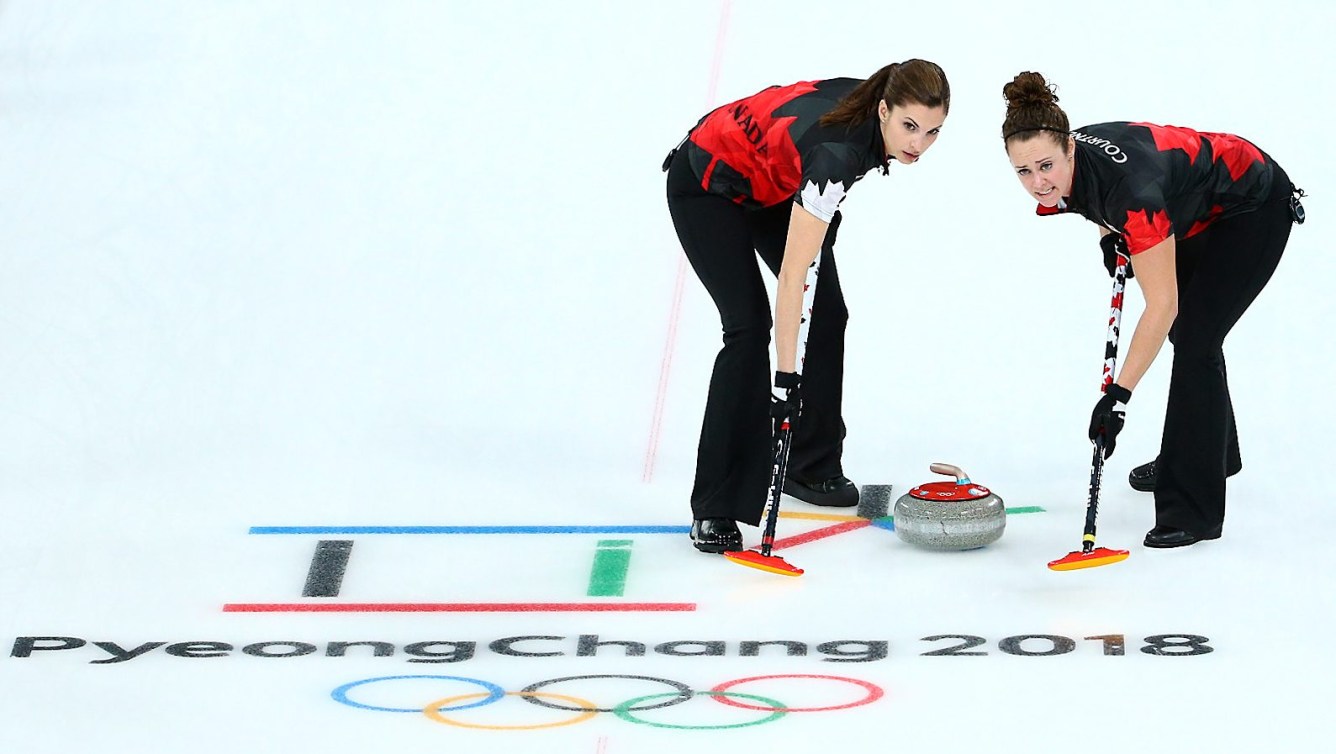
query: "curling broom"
762, 559
1090, 556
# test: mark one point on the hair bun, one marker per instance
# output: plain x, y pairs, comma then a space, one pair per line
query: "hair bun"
1029, 89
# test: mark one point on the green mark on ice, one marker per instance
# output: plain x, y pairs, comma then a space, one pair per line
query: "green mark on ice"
612, 559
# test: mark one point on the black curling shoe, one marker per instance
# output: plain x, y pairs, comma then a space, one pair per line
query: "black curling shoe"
1142, 478
837, 492
1164, 537
715, 535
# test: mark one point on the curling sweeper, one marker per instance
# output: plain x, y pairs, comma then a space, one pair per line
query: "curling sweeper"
1090, 556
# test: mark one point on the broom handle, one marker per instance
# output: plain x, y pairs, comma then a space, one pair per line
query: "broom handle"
1092, 508
1110, 365
784, 438
1115, 322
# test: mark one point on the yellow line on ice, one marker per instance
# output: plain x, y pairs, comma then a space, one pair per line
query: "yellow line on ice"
818, 516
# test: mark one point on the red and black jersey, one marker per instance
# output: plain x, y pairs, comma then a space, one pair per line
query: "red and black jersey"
770, 147
1148, 182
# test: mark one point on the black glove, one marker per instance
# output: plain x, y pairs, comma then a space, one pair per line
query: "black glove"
785, 399
1112, 244
1107, 418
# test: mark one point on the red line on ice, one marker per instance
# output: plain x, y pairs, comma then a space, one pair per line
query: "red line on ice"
458, 607
822, 533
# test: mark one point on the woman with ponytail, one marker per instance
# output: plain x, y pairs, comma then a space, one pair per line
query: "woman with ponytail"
766, 174
1204, 218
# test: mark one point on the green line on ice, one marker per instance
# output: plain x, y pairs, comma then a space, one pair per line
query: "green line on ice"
612, 560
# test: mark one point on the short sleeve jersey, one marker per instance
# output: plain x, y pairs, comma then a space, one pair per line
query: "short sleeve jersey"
770, 147
1149, 182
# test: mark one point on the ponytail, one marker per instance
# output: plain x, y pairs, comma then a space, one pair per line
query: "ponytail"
916, 81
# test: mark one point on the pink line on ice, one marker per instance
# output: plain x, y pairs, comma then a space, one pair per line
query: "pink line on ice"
675, 312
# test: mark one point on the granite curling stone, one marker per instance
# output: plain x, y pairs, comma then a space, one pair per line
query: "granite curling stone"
957, 515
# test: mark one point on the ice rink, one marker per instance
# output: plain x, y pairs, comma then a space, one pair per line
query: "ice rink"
351, 379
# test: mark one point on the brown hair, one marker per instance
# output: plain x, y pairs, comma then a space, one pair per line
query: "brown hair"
917, 81
1032, 109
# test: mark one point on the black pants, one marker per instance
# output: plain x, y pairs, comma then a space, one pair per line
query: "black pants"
1220, 272
733, 460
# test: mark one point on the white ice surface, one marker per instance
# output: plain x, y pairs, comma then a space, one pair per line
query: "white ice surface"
409, 263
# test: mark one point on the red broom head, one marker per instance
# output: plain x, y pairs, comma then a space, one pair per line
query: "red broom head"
767, 563
1099, 556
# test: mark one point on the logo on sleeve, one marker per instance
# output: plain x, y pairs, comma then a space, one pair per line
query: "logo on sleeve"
823, 203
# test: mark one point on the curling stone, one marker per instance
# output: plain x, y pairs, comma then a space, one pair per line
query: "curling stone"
957, 515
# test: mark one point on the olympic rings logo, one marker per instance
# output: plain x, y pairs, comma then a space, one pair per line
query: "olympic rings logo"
446, 709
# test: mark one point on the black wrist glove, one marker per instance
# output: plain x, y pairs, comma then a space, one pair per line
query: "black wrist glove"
1111, 244
785, 399
1107, 418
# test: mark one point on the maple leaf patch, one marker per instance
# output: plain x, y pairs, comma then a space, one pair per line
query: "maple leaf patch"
823, 203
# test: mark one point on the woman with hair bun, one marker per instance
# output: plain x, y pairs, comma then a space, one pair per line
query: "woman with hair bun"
766, 174
1204, 217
